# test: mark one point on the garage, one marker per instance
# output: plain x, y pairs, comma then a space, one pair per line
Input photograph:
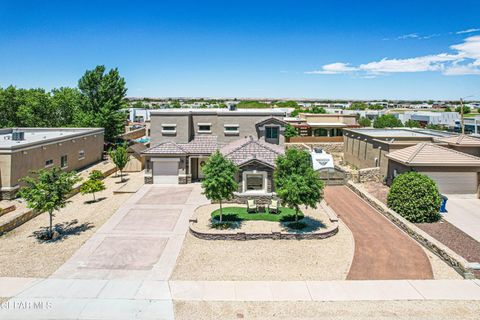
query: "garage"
165, 171
455, 182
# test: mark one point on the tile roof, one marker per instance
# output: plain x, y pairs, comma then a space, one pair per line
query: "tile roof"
461, 140
166, 148
271, 119
245, 150
429, 154
201, 145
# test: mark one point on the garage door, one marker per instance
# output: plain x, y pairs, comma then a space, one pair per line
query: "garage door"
165, 172
455, 182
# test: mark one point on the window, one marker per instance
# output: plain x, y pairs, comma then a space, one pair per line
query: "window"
81, 154
204, 127
64, 161
49, 163
254, 182
231, 129
271, 132
169, 129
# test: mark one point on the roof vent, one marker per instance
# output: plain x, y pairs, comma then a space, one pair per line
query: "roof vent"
18, 135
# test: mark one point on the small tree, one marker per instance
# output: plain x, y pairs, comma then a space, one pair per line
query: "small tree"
387, 121
296, 183
49, 191
364, 122
93, 184
412, 124
120, 158
466, 110
290, 131
415, 197
219, 179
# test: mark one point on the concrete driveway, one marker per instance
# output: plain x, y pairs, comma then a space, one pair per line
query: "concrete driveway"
464, 213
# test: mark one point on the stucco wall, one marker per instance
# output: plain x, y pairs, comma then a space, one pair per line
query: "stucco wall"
182, 135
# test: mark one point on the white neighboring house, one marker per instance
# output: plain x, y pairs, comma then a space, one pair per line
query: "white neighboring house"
138, 115
428, 117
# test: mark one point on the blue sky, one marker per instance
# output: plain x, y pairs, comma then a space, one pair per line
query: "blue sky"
309, 49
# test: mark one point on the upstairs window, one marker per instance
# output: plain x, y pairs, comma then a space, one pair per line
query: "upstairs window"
271, 132
64, 161
204, 127
169, 129
231, 129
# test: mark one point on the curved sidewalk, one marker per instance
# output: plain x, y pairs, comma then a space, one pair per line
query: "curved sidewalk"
382, 251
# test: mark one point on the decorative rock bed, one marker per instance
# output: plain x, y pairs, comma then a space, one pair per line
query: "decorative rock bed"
200, 229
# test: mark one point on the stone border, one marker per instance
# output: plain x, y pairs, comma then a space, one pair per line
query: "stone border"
443, 252
282, 235
8, 209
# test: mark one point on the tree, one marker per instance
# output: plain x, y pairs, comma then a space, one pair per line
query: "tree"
387, 121
287, 104
358, 106
290, 131
9, 104
412, 124
120, 158
103, 96
318, 110
447, 109
376, 107
93, 184
364, 122
219, 179
415, 197
49, 191
466, 110
296, 183
66, 104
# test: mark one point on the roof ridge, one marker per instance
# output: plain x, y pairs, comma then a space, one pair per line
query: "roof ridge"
247, 140
456, 151
419, 147
264, 145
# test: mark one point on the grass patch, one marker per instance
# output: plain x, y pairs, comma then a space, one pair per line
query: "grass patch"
240, 214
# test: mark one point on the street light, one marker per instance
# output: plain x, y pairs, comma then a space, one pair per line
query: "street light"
461, 113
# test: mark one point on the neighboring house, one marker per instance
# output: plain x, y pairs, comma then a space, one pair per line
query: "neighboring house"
321, 126
454, 172
446, 119
472, 125
23, 150
463, 143
138, 115
182, 140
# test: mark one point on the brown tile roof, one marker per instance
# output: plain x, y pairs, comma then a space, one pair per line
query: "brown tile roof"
271, 119
137, 148
201, 145
462, 140
429, 154
245, 150
166, 148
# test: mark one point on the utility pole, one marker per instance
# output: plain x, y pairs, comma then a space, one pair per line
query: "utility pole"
461, 116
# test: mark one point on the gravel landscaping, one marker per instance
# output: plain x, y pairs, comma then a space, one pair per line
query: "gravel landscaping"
23, 255
423, 310
326, 259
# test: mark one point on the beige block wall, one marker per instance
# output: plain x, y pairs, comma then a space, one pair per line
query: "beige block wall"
24, 161
5, 168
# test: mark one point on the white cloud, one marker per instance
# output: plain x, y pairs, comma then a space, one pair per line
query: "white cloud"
408, 36
465, 60
467, 31
334, 68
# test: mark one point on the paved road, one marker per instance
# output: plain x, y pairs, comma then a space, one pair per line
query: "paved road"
382, 251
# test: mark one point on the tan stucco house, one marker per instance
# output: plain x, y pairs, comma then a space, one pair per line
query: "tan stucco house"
23, 150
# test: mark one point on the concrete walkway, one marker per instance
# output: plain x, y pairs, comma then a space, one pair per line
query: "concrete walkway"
121, 272
464, 213
382, 251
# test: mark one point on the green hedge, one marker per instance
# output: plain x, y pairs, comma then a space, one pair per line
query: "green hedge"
415, 197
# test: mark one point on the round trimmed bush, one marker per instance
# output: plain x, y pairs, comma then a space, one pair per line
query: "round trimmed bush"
415, 197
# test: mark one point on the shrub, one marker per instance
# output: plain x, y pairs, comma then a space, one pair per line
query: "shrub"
415, 197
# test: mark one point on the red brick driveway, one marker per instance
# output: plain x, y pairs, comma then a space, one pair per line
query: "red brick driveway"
382, 251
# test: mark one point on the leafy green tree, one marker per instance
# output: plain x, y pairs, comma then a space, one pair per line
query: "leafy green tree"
287, 104
34, 109
387, 121
103, 96
252, 105
296, 183
120, 158
447, 109
358, 106
295, 112
219, 179
93, 184
290, 131
48, 192
66, 104
364, 122
415, 197
318, 110
9, 104
466, 110
375, 107
412, 124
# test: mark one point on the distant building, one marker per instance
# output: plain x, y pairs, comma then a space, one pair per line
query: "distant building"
23, 150
322, 125
446, 119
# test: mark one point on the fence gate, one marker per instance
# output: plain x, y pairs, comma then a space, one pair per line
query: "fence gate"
333, 177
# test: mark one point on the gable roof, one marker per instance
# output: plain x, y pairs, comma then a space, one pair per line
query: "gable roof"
271, 119
461, 140
245, 150
167, 147
429, 154
137, 148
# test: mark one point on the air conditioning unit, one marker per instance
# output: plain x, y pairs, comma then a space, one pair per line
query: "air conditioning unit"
18, 135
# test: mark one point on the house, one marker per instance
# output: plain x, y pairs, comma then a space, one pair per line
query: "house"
23, 150
321, 127
182, 140
463, 143
454, 172
445, 119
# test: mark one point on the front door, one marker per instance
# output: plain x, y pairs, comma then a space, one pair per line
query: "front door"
201, 163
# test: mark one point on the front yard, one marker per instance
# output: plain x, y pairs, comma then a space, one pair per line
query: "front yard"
241, 214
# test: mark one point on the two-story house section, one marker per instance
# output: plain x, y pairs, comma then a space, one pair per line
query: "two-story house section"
183, 139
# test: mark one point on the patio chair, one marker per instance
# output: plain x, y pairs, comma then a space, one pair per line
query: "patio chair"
252, 206
273, 206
